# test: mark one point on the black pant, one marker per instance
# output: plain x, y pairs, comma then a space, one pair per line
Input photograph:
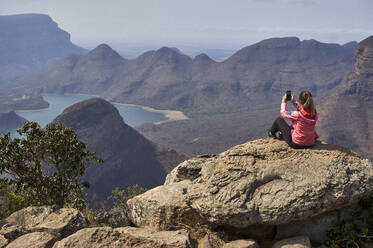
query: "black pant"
281, 125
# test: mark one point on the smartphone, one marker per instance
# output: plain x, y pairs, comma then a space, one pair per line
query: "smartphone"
288, 95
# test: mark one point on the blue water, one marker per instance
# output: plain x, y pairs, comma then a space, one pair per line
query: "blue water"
133, 116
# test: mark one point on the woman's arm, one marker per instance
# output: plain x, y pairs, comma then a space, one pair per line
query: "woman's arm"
293, 115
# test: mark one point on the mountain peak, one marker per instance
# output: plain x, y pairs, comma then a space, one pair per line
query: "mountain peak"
129, 158
87, 112
363, 57
31, 17
104, 51
280, 42
368, 42
168, 50
202, 57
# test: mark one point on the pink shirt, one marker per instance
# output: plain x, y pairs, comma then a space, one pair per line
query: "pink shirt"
303, 123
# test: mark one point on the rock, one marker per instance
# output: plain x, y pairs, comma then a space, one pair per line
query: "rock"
60, 222
316, 228
116, 217
205, 243
163, 208
24, 220
34, 240
259, 182
11, 232
125, 237
296, 242
63, 222
30, 217
210, 240
3, 241
242, 244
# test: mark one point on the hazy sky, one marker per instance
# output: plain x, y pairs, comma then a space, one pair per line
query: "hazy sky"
205, 22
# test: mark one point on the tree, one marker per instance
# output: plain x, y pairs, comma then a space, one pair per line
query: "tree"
45, 165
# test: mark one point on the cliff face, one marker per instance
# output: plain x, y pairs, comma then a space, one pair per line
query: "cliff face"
30, 41
128, 157
346, 113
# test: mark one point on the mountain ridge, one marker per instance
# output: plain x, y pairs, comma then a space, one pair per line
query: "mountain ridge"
266, 68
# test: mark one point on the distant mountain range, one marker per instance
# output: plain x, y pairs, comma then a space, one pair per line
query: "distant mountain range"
129, 158
347, 112
30, 41
229, 102
166, 78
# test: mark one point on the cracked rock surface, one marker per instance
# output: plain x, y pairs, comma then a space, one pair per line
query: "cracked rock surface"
259, 182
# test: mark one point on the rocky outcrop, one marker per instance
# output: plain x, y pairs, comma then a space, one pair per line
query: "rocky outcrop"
44, 227
259, 194
263, 182
125, 237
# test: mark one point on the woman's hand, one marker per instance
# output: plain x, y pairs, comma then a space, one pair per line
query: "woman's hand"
284, 98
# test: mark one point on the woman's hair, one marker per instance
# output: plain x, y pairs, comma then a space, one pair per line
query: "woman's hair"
305, 99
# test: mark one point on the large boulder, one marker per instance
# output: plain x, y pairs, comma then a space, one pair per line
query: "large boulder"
260, 182
34, 240
29, 217
125, 237
58, 222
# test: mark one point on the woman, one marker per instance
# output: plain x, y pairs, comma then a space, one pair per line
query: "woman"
302, 133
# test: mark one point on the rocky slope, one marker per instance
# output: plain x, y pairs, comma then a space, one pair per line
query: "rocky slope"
258, 194
10, 120
30, 41
346, 115
128, 157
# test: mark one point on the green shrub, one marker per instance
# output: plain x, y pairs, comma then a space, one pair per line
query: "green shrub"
10, 201
349, 234
120, 197
44, 167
